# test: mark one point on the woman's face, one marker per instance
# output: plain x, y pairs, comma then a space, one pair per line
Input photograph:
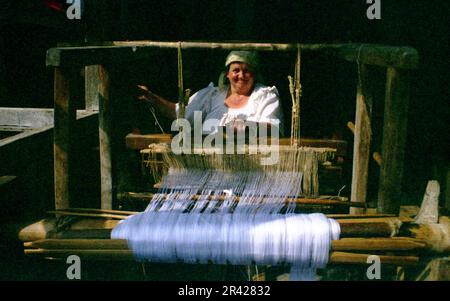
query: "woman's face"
241, 78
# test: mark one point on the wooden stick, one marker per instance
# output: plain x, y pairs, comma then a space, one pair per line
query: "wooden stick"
335, 257
344, 244
85, 214
299, 201
83, 244
91, 210
378, 244
85, 254
356, 258
361, 216
371, 227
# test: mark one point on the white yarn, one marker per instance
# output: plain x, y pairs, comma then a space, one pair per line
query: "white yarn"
302, 240
195, 219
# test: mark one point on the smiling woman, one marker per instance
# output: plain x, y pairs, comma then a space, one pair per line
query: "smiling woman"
239, 96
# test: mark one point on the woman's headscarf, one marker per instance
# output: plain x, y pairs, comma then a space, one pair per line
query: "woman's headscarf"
249, 57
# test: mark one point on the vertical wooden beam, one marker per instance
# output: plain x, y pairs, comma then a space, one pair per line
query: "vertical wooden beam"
447, 189
394, 140
105, 138
64, 127
3, 75
91, 87
362, 140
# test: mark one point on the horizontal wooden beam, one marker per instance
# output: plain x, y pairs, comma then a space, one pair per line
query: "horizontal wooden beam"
380, 55
122, 51
125, 254
378, 244
140, 141
358, 258
344, 244
143, 196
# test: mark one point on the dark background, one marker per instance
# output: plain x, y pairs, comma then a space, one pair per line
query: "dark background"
28, 28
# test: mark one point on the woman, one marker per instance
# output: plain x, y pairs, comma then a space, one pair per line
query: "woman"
238, 97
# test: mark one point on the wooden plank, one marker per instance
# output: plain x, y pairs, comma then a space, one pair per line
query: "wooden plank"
363, 229
26, 118
91, 210
377, 244
64, 127
344, 244
394, 140
87, 214
94, 254
357, 258
92, 84
105, 120
147, 196
140, 141
100, 244
362, 140
82, 228
109, 52
85, 254
380, 55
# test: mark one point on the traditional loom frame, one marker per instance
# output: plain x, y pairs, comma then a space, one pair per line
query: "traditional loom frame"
398, 61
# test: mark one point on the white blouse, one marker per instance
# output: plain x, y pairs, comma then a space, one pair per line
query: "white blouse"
263, 106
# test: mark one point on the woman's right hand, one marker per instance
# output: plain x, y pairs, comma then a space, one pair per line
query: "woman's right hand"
144, 94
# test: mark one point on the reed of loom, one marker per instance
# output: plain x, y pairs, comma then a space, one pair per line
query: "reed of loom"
309, 164
397, 240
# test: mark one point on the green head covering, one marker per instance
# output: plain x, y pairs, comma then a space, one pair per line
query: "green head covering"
249, 57
242, 56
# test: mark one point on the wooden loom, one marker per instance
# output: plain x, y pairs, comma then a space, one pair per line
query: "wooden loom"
87, 232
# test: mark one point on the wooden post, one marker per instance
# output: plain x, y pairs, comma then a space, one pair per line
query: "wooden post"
394, 139
64, 127
105, 138
91, 87
361, 146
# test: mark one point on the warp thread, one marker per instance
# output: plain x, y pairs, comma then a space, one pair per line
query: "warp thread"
196, 218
